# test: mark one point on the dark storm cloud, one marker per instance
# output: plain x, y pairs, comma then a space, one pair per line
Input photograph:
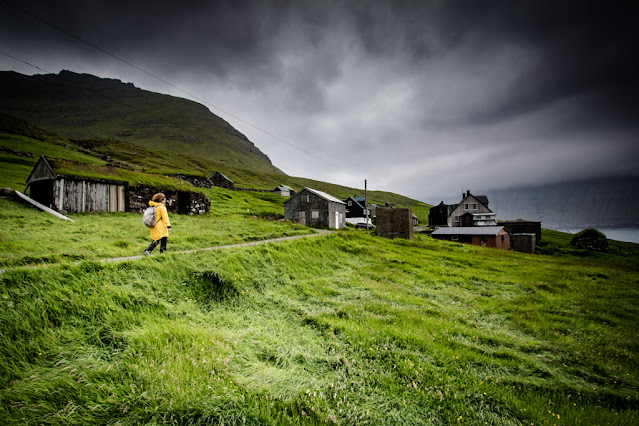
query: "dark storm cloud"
416, 88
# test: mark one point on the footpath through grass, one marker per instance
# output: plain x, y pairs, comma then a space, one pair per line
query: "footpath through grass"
344, 329
29, 236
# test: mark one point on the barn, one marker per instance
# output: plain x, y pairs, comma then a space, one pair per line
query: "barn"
484, 236
75, 194
311, 207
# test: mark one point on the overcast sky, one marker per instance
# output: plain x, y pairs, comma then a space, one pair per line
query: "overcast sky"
423, 98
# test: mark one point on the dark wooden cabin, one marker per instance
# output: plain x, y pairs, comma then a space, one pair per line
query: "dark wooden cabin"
75, 194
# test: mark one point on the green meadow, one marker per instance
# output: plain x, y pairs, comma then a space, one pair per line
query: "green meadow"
346, 328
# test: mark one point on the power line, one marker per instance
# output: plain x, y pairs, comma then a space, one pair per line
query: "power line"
170, 84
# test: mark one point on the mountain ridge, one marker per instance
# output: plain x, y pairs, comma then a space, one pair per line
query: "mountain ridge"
83, 106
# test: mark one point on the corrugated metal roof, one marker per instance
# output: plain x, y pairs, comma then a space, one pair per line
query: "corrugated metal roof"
325, 195
284, 188
469, 230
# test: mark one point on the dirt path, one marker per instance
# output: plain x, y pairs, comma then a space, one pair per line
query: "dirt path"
319, 232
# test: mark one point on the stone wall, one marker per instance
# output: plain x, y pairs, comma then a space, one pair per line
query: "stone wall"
180, 202
394, 223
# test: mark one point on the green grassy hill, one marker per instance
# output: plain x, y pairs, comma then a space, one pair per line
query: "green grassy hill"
82, 106
134, 163
347, 328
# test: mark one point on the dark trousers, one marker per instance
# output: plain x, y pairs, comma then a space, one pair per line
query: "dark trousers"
162, 242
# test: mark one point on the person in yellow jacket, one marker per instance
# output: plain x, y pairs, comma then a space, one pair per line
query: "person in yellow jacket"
160, 232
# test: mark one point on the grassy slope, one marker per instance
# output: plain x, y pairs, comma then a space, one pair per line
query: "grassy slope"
81, 106
348, 329
148, 166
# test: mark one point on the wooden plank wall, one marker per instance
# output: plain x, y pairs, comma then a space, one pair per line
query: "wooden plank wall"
76, 196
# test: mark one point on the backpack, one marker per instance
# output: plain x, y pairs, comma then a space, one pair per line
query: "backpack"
149, 217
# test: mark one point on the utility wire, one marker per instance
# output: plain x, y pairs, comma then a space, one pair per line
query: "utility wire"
169, 84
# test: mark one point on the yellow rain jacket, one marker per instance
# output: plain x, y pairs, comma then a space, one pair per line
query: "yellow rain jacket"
162, 223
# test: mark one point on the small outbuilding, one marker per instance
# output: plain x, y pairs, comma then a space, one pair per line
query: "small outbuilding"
394, 223
438, 215
284, 191
222, 181
74, 194
484, 236
77, 194
591, 239
311, 207
521, 226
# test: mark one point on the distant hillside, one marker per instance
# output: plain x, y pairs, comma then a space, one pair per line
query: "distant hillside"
82, 106
612, 202
21, 144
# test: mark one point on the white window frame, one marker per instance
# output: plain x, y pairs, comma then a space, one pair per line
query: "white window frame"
314, 214
456, 219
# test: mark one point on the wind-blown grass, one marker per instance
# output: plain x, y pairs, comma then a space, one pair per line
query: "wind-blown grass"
345, 329
29, 236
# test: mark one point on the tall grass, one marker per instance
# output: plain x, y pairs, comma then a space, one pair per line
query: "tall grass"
29, 236
344, 329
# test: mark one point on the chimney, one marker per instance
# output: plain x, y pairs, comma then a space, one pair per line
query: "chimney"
468, 193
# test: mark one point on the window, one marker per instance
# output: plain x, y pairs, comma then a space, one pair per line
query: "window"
466, 206
503, 238
456, 218
454, 238
314, 214
305, 198
350, 203
474, 206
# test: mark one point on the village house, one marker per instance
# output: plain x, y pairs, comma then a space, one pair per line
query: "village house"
355, 207
222, 181
478, 219
284, 191
76, 194
451, 214
483, 236
439, 214
311, 207
469, 204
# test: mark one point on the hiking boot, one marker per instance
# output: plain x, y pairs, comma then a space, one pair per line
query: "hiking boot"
146, 252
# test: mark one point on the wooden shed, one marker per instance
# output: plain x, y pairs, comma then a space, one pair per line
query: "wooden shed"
74, 193
311, 207
484, 236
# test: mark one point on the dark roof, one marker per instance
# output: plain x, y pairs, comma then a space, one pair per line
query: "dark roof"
482, 199
321, 194
45, 170
469, 230
221, 174
357, 200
